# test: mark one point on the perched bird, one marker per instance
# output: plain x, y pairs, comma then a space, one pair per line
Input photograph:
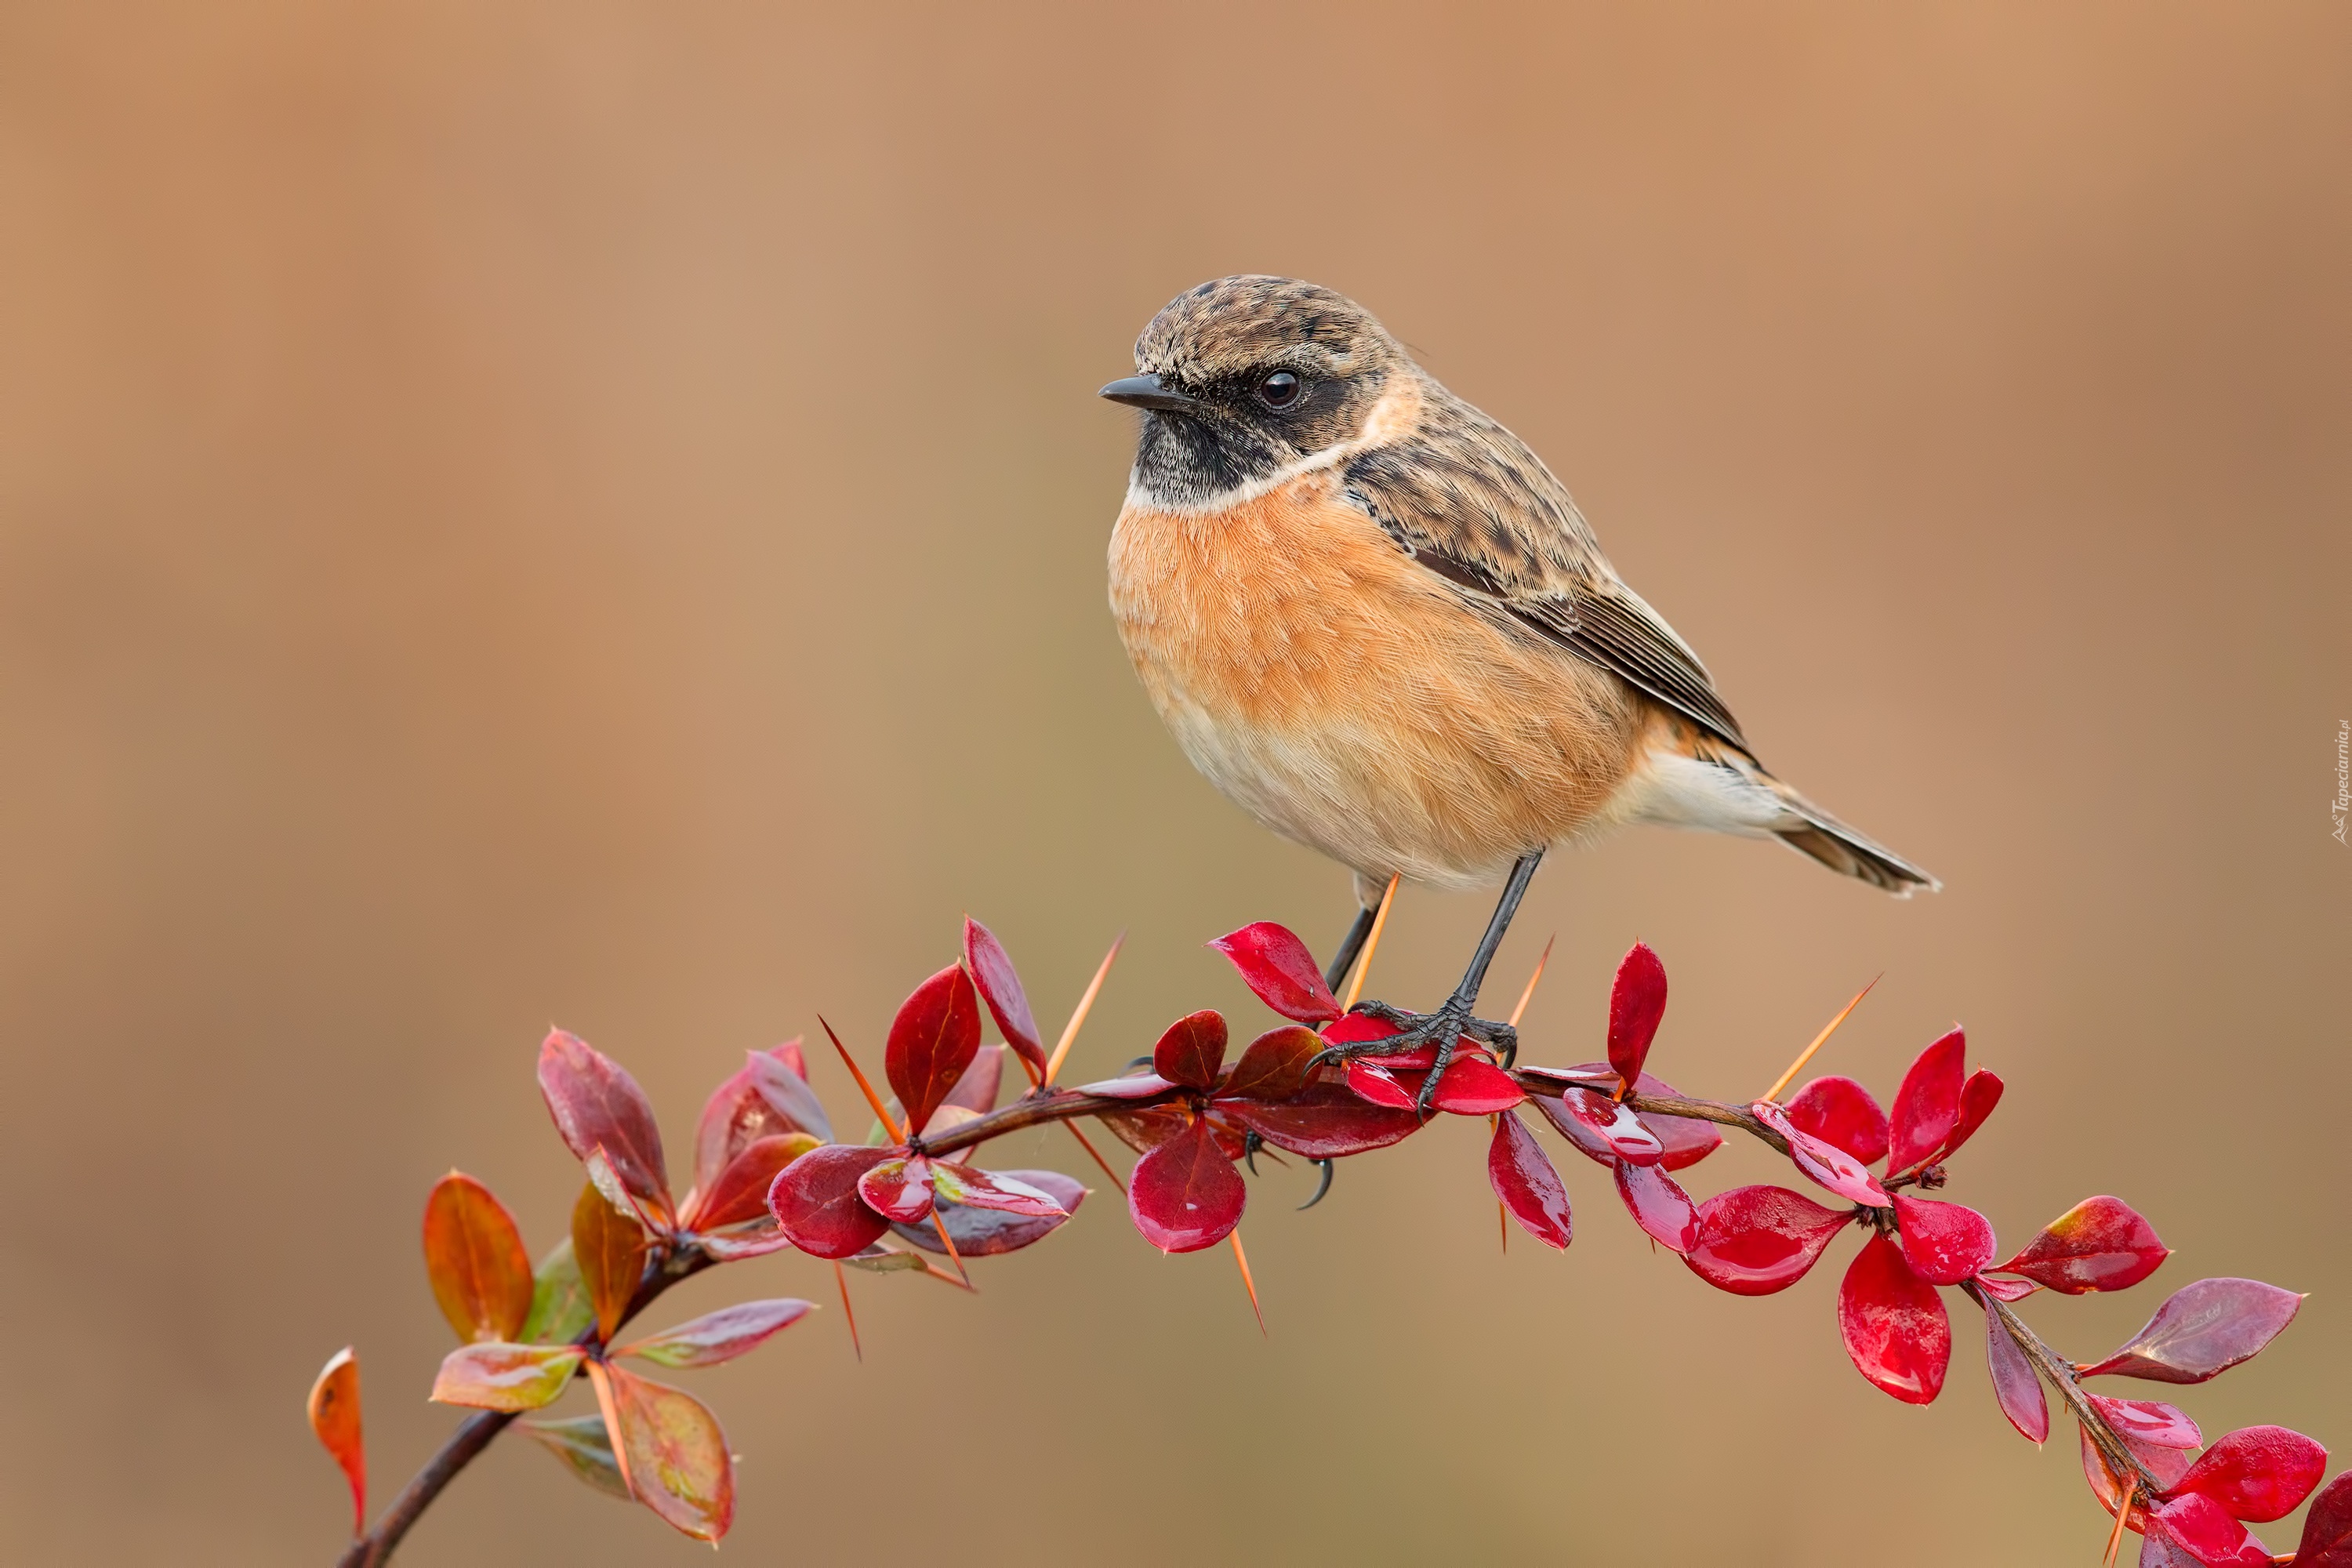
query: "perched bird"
1377, 623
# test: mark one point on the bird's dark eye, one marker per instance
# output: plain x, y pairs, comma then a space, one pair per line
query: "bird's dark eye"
1280, 389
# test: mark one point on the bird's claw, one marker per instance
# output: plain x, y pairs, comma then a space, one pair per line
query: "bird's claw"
1444, 1028
1322, 1184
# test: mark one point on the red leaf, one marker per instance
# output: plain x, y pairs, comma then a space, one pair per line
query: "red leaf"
2014, 1382
335, 1418
985, 1233
2257, 1473
932, 1040
1378, 1086
988, 1190
1601, 1128
1526, 1181
1685, 1139
741, 1192
2150, 1424
1927, 1105
1277, 965
1323, 1122
785, 1088
1838, 1110
1192, 1050
598, 1105
816, 1200
1474, 1087
2204, 1330
670, 1450
1893, 1325
1145, 1130
721, 1336
977, 1089
2100, 1244
1979, 1095
1356, 1028
493, 1376
899, 1189
1659, 1205
610, 1248
1755, 1240
1275, 1066
474, 1257
1000, 987
2198, 1526
1636, 1001
1829, 1165
1944, 1243
2007, 1290
1185, 1194
2327, 1528
2103, 1481
1137, 1086
738, 1115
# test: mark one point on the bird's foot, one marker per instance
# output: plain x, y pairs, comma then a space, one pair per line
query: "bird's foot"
1443, 1029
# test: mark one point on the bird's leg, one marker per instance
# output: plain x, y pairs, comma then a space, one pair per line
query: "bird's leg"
1349, 945
1446, 1026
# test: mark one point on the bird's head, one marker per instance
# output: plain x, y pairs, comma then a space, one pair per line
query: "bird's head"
1246, 378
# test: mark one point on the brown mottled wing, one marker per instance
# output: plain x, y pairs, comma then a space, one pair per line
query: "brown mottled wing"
1468, 499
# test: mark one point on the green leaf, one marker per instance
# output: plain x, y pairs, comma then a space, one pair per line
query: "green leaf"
498, 1375
585, 1449
560, 1307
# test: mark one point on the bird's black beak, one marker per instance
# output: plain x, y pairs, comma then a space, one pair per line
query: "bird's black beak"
1144, 392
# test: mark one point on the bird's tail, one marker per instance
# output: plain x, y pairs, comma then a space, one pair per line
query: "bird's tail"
1807, 830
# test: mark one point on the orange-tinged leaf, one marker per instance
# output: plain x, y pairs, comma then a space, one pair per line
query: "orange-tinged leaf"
475, 1258
495, 1376
335, 1417
609, 1247
586, 1450
670, 1451
739, 1193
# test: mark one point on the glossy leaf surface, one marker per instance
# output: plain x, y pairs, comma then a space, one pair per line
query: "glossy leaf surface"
1275, 1066
670, 1450
1928, 1107
1637, 1000
493, 1376
1826, 1163
1944, 1243
1192, 1050
474, 1260
2150, 1423
736, 1116
1753, 1241
560, 1307
2199, 1527
977, 1090
1277, 965
609, 1247
334, 1411
932, 1040
752, 1242
2257, 1473
1322, 1121
1608, 1125
586, 1451
1893, 1325
1378, 1086
1134, 1085
1000, 987
986, 1233
786, 1088
1185, 1194
1003, 1192
719, 1336
2203, 1330
1838, 1110
598, 1105
2100, 1244
2007, 1290
816, 1203
2167, 1461
1979, 1095
1659, 1205
741, 1192
1525, 1183
2327, 1528
2015, 1384
1686, 1138
899, 1189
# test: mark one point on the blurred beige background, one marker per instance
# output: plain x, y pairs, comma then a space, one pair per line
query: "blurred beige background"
595, 513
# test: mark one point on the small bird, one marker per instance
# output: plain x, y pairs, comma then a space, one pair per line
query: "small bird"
1379, 624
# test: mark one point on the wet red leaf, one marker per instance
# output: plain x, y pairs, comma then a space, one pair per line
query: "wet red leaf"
1659, 1205
992, 1190
899, 1189
2198, 1526
1275, 1065
474, 1257
1356, 1028
1755, 1240
740, 1245
738, 1115
1826, 1163
1378, 1086
2327, 1528
494, 1376
2203, 1330
610, 1248
1637, 1000
1134, 1085
2007, 1290
1145, 1130
1928, 1107
334, 1410
2257, 1473
1524, 1179
2151, 1423
1979, 1095
2014, 1382
1278, 966
1893, 1325
785, 1088
1686, 1138
1593, 1123
1474, 1087
1192, 1050
816, 1200
1839, 1111
717, 1337
985, 1233
670, 1450
2100, 1244
741, 1192
598, 1105
1322, 1121
1185, 1194
2103, 1481
1000, 987
1944, 1243
977, 1089
932, 1040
